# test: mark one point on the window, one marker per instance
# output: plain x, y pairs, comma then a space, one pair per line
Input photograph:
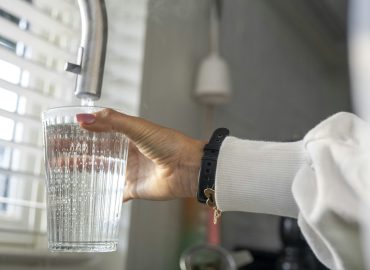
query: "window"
8, 102
31, 79
36, 38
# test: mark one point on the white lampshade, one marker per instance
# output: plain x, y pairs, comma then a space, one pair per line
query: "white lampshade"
213, 85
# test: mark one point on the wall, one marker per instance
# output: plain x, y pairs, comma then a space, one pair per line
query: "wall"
282, 88
176, 41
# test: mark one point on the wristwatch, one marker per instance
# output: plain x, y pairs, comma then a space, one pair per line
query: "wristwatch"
207, 172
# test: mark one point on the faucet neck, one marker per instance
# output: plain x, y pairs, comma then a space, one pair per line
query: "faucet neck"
92, 52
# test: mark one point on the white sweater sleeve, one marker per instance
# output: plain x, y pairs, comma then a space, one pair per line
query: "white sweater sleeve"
322, 180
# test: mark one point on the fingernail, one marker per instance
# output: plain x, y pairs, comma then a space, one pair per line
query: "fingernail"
85, 118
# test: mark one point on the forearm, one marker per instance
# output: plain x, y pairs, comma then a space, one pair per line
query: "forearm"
257, 176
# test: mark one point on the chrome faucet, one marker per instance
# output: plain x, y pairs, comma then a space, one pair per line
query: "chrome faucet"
91, 55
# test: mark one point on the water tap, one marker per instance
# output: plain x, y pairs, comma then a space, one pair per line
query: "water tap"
91, 54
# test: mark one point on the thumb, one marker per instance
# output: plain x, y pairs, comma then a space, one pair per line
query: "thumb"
108, 120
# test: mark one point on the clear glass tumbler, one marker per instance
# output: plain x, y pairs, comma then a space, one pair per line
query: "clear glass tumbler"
85, 175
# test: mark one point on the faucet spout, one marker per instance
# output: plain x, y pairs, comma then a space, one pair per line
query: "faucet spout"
91, 56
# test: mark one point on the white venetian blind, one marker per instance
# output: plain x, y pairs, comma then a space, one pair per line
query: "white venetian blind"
125, 54
36, 38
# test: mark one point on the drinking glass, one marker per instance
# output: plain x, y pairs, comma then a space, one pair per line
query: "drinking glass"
85, 173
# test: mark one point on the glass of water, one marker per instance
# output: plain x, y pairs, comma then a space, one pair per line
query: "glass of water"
85, 173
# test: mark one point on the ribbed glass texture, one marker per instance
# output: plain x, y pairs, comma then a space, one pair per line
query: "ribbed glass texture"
85, 173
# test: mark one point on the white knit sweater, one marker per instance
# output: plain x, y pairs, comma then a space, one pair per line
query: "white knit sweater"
322, 180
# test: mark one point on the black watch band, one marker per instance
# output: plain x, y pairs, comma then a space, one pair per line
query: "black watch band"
207, 172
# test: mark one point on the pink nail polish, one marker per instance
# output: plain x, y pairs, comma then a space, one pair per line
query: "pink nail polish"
85, 118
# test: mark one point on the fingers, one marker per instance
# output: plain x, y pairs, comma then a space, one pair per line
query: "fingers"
108, 120
131, 172
98, 122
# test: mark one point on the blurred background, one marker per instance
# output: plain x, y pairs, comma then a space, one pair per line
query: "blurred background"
288, 66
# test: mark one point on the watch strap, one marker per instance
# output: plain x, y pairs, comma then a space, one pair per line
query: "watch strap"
207, 172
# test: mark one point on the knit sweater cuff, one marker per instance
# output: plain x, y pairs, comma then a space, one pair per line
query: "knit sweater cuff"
257, 176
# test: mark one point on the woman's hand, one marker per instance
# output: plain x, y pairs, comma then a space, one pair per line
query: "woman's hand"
162, 163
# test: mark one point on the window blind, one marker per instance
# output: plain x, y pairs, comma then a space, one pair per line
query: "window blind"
35, 41
125, 54
36, 38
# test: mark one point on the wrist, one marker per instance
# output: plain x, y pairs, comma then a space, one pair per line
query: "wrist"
191, 165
